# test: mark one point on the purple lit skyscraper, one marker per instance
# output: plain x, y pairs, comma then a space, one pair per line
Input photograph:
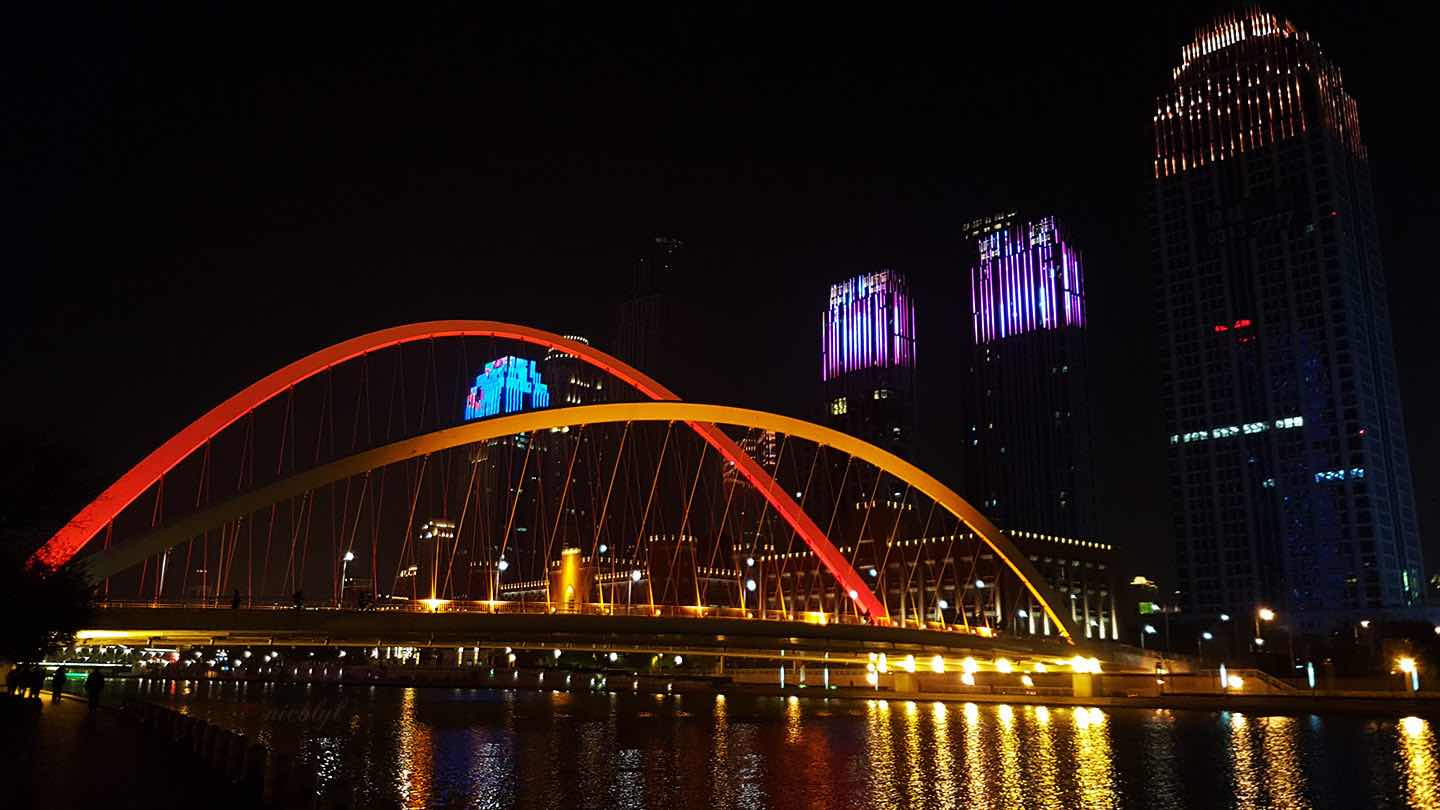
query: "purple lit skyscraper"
1027, 439
1027, 278
867, 359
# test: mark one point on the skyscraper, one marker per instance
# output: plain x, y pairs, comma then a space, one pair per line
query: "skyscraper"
1028, 441
1289, 474
867, 360
645, 338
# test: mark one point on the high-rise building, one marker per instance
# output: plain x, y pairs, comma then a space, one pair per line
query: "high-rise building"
645, 338
1289, 474
572, 381
1028, 441
867, 360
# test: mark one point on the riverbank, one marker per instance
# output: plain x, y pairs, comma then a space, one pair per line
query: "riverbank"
558, 680
59, 754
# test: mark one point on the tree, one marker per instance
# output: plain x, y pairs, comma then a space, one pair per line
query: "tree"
41, 608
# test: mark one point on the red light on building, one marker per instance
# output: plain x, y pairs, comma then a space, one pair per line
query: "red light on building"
1243, 323
1220, 327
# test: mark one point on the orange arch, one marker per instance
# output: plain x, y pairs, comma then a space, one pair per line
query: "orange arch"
82, 528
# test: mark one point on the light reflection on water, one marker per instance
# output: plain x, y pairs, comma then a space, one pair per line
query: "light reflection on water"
1417, 752
482, 748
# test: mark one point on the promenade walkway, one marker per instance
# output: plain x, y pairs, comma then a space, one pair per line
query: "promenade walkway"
58, 755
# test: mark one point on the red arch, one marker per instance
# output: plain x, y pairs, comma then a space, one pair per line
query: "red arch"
83, 527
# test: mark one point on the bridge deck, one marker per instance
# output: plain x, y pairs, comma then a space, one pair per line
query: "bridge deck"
580, 632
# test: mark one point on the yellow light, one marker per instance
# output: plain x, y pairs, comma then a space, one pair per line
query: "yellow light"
881, 664
1040, 667
434, 605
967, 678
969, 666
871, 678
1266, 614
1237, 682
1407, 665
1027, 680
1079, 664
1004, 666
84, 635
1412, 726
937, 664
909, 663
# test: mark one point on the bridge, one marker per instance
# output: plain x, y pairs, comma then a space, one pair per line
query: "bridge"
477, 483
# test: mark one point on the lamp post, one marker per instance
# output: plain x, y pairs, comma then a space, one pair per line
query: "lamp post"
1411, 673
1200, 640
344, 566
629, 588
495, 591
1146, 630
1262, 614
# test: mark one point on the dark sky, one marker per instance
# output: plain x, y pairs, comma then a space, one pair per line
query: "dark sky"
195, 196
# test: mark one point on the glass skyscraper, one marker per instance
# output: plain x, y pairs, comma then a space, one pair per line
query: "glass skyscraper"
1028, 440
1289, 474
867, 360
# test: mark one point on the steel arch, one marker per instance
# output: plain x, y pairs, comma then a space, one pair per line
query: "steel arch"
118, 558
82, 528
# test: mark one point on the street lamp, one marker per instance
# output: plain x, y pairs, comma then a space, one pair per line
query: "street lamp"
1262, 614
1204, 637
629, 587
1146, 630
1407, 667
344, 565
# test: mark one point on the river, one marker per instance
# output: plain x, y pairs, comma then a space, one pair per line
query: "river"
382, 747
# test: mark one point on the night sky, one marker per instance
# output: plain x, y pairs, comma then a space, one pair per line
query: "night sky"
196, 196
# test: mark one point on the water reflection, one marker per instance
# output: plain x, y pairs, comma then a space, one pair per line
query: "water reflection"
1044, 765
1284, 778
1009, 758
880, 753
975, 771
1162, 780
916, 781
1417, 751
482, 748
944, 762
1093, 761
722, 793
1244, 780
414, 755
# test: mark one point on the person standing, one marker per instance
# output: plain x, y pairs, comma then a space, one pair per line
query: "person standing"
57, 684
94, 685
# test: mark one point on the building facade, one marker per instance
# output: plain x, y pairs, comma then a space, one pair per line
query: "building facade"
1029, 436
1289, 474
648, 321
867, 360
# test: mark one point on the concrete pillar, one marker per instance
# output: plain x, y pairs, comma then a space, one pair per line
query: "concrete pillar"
903, 683
1083, 684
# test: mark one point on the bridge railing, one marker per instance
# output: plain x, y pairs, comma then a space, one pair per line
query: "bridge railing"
536, 607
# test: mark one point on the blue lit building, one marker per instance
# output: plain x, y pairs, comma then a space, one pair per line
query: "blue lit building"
1289, 474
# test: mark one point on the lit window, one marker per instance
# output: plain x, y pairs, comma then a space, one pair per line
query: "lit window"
839, 406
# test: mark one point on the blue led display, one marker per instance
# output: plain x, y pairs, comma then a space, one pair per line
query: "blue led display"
504, 386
